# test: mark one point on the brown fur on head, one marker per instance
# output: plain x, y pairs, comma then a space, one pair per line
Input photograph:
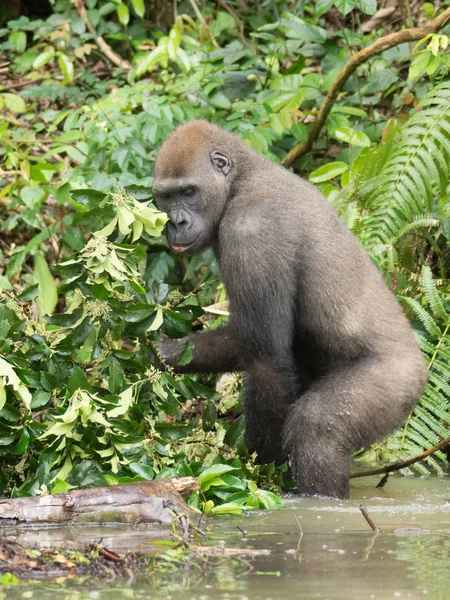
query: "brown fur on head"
183, 149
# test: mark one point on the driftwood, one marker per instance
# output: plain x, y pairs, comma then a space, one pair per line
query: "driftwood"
157, 501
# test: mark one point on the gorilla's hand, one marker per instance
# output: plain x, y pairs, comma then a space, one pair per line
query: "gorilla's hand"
170, 350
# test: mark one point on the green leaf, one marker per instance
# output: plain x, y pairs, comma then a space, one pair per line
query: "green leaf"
32, 195
352, 137
228, 508
30, 293
14, 103
66, 66
40, 399
2, 394
123, 14
369, 7
329, 171
419, 64
345, 6
157, 321
19, 40
77, 381
11, 378
84, 197
139, 192
23, 442
116, 380
43, 58
48, 293
126, 399
144, 471
322, 6
138, 7
209, 416
212, 473
235, 432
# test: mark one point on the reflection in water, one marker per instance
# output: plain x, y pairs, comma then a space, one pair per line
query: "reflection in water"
319, 549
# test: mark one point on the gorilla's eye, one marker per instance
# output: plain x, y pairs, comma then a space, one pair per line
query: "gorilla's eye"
190, 191
221, 162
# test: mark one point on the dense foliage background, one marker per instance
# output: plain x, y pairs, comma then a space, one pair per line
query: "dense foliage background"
88, 92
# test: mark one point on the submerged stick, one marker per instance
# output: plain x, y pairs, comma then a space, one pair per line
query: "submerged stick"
365, 514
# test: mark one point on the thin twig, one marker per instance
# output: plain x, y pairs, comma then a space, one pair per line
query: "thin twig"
201, 18
238, 21
380, 45
365, 514
403, 463
103, 46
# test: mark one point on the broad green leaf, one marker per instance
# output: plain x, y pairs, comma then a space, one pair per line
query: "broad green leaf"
125, 402
352, 137
43, 58
11, 378
369, 7
209, 416
87, 196
157, 321
19, 40
138, 7
213, 472
123, 14
14, 102
66, 66
419, 64
228, 508
322, 6
32, 195
23, 442
48, 293
345, 6
150, 61
2, 394
329, 171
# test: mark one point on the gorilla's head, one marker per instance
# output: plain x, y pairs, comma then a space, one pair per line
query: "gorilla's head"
193, 180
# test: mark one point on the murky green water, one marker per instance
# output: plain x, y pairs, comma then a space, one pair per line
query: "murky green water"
312, 549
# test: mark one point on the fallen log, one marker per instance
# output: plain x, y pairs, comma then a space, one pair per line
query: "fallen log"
158, 501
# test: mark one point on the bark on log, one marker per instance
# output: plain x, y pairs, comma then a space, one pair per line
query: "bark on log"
157, 501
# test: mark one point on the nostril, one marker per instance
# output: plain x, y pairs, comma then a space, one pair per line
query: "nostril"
178, 223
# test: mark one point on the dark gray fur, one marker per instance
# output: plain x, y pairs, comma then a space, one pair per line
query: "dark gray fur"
331, 361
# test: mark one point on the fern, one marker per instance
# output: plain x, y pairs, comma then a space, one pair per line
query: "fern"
403, 184
430, 421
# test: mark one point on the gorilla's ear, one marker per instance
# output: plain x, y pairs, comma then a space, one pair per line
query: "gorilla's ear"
221, 162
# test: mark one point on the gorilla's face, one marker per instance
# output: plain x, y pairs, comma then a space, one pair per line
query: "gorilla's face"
194, 201
187, 229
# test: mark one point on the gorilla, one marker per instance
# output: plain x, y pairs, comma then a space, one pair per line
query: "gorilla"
331, 362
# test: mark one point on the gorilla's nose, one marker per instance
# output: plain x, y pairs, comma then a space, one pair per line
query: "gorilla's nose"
180, 221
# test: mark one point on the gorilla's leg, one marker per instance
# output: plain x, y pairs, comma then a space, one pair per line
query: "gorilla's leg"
269, 391
349, 408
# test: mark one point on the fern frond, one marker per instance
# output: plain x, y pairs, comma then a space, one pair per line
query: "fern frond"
430, 421
411, 179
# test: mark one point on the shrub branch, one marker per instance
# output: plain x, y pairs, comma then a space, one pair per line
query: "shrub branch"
389, 41
103, 46
404, 463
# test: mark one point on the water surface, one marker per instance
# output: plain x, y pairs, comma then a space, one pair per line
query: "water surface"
311, 549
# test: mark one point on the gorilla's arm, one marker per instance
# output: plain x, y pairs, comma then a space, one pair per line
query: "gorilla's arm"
215, 351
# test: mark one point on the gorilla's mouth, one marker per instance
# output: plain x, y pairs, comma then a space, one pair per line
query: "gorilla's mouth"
179, 248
